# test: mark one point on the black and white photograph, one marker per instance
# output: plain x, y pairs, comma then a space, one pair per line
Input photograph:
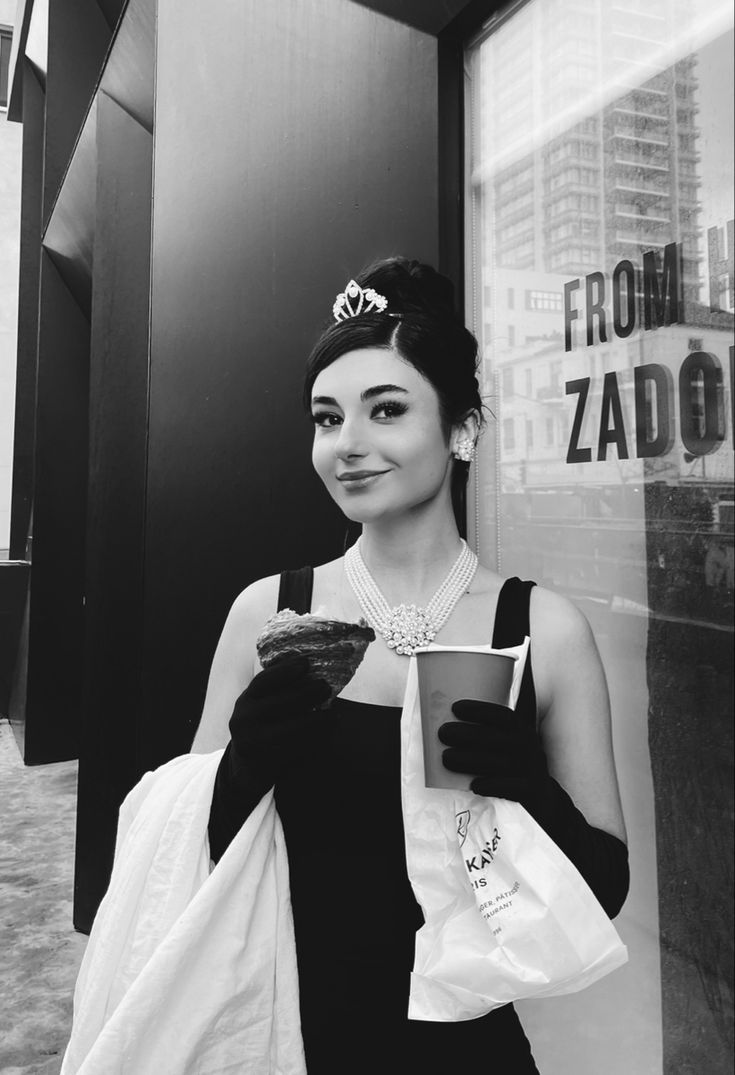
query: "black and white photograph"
367, 512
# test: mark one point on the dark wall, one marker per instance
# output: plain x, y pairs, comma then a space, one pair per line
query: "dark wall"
111, 10
13, 598
432, 16
56, 613
79, 35
302, 161
50, 468
33, 107
118, 397
30, 242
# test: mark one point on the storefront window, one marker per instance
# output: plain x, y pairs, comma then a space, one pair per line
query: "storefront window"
600, 197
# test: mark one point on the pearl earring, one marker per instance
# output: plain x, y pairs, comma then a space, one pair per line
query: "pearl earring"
464, 450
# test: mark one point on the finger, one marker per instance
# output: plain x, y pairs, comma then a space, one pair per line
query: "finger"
257, 716
478, 712
458, 733
515, 789
324, 690
286, 669
479, 762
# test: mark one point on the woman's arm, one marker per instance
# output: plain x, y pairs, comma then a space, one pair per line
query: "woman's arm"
564, 774
264, 721
574, 709
234, 663
578, 803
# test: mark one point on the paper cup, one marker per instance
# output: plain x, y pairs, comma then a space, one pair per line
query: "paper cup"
445, 677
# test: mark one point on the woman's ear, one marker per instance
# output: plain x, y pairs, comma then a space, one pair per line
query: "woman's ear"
464, 437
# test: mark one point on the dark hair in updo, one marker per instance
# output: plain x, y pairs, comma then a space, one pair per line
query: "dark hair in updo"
422, 326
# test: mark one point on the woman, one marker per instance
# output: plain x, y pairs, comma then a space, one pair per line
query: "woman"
393, 394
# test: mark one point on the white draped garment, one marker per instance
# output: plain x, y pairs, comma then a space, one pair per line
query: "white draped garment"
189, 970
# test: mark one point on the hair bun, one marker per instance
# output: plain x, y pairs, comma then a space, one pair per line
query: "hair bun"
411, 287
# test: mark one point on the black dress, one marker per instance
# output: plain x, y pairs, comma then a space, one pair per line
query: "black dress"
355, 916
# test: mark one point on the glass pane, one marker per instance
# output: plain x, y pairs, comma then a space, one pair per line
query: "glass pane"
6, 41
600, 268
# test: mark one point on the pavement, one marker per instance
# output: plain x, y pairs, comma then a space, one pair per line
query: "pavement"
40, 951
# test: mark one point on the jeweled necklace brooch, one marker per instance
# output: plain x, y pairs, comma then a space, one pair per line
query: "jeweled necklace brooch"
407, 627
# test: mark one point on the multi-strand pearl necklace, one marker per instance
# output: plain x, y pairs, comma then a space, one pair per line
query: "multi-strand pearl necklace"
406, 627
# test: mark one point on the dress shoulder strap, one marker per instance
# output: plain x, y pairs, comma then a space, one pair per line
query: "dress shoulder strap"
512, 624
295, 589
512, 619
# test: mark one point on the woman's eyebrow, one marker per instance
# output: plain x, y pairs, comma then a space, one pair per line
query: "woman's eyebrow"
369, 393
380, 390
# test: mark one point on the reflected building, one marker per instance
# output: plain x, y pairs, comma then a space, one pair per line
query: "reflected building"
721, 265
587, 134
603, 183
589, 158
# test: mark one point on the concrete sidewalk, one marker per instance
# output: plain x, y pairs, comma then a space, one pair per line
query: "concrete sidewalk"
40, 951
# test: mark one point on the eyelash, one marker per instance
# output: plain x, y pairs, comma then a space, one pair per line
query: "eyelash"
322, 419
392, 409
395, 408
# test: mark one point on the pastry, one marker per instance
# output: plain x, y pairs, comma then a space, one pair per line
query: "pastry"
335, 648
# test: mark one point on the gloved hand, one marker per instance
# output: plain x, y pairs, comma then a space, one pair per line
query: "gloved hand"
277, 718
508, 761
504, 754
276, 722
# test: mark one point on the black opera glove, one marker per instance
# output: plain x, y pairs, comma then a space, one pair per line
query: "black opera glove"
508, 761
504, 754
277, 717
277, 722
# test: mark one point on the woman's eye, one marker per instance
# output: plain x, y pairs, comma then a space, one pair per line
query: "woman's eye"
325, 419
389, 409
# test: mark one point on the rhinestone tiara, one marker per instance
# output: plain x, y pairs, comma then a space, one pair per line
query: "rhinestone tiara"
354, 300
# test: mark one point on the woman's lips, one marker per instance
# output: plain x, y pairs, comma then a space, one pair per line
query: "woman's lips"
359, 479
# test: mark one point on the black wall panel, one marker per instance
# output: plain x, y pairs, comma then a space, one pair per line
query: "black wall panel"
117, 451
14, 577
30, 243
111, 10
302, 161
56, 614
78, 35
429, 15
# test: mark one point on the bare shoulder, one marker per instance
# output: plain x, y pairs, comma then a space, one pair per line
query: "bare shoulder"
556, 620
253, 605
235, 660
249, 611
562, 646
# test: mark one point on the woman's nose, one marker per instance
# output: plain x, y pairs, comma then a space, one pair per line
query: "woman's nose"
350, 442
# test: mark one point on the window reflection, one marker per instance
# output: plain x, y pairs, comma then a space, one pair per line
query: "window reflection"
609, 200
600, 209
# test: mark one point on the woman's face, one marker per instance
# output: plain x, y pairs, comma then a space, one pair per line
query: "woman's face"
379, 446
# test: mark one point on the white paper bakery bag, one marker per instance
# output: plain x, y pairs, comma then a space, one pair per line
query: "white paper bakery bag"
507, 915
